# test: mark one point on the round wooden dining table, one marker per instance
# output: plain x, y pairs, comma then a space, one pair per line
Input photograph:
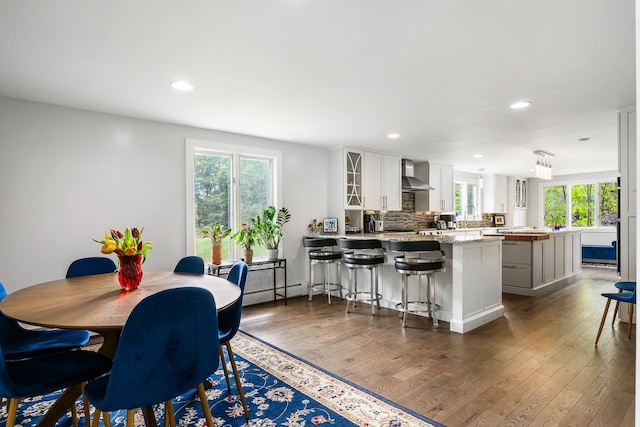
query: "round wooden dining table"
98, 304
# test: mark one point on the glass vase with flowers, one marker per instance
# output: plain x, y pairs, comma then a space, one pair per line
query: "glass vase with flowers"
132, 252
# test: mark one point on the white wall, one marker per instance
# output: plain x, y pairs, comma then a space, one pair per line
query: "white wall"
68, 175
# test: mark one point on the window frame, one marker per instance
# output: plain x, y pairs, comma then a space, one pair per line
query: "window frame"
464, 181
569, 204
193, 146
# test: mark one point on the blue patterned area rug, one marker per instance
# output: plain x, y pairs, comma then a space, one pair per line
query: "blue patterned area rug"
281, 390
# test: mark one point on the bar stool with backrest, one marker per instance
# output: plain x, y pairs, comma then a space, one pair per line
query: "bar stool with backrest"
322, 251
419, 258
362, 254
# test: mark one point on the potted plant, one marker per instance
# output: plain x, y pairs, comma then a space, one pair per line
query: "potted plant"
245, 237
268, 226
216, 233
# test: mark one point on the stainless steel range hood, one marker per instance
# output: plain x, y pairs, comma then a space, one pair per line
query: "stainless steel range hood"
409, 181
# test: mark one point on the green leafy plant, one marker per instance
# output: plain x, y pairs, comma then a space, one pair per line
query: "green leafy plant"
215, 232
245, 237
269, 226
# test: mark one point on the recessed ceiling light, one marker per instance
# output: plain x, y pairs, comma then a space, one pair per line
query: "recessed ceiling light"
393, 136
180, 85
477, 156
520, 104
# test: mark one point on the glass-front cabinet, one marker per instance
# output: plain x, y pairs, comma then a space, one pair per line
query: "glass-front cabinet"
353, 179
520, 193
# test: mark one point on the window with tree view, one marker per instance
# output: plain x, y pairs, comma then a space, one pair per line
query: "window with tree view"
586, 205
218, 200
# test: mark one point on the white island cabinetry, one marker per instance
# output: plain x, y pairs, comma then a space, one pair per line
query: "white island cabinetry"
469, 291
532, 267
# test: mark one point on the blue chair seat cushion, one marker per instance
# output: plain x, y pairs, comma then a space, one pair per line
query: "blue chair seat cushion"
36, 342
599, 252
621, 296
49, 373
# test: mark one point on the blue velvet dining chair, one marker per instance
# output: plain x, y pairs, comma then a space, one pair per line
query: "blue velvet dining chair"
90, 266
628, 297
165, 349
45, 374
228, 325
190, 264
19, 343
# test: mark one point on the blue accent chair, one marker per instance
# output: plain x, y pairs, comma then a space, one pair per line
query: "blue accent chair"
90, 266
628, 297
228, 324
19, 343
622, 286
165, 349
190, 264
45, 374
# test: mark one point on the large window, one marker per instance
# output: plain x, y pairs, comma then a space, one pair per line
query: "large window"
228, 186
581, 205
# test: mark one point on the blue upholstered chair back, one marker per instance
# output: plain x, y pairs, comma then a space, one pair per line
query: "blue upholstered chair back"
18, 342
165, 349
9, 328
229, 318
90, 266
190, 264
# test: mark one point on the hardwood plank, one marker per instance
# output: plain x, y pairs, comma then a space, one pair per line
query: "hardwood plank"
538, 364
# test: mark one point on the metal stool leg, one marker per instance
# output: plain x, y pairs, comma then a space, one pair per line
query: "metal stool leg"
327, 289
405, 298
349, 288
310, 278
431, 285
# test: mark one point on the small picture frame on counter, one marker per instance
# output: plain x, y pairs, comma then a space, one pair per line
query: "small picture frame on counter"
330, 225
498, 219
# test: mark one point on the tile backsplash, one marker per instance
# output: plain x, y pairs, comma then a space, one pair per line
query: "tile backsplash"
409, 219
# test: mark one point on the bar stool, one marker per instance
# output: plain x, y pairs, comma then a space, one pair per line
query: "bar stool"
419, 258
322, 252
362, 254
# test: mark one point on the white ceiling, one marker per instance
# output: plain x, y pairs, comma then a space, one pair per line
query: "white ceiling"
442, 73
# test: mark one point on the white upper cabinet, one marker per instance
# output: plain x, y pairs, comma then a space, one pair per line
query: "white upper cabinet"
373, 171
382, 182
440, 177
495, 194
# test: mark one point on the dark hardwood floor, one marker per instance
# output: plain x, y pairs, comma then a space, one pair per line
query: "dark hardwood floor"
535, 366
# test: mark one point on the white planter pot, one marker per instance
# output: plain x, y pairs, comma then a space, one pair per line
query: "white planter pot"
272, 254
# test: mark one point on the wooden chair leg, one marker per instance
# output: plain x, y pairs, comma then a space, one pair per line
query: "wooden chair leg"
169, 414
12, 411
630, 317
224, 368
615, 312
86, 405
96, 418
131, 417
604, 316
74, 415
107, 419
237, 377
205, 405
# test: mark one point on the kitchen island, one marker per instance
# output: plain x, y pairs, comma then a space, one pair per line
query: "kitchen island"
538, 261
469, 291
